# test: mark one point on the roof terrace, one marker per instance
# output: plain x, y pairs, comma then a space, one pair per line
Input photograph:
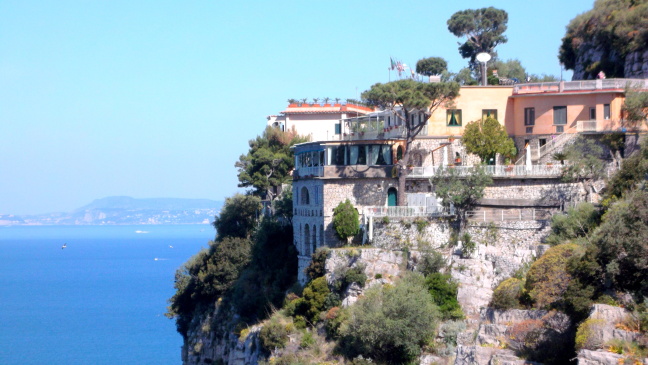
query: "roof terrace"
580, 86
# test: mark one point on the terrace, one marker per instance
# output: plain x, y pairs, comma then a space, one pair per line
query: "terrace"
579, 86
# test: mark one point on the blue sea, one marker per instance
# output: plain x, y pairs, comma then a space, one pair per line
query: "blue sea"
101, 300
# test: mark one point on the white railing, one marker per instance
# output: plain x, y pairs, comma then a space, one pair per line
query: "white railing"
586, 125
495, 171
399, 211
310, 171
582, 85
385, 133
497, 215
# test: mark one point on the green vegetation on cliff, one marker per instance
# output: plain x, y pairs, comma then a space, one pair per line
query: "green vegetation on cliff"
614, 28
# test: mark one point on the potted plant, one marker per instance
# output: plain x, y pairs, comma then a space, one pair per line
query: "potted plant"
326, 101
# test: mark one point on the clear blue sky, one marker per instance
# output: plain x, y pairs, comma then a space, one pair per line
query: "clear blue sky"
159, 98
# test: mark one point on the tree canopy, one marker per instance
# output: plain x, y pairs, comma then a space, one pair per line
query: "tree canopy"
431, 66
483, 28
613, 27
486, 139
405, 98
460, 191
635, 106
238, 217
268, 163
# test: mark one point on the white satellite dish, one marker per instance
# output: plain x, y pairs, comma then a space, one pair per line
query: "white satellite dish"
483, 57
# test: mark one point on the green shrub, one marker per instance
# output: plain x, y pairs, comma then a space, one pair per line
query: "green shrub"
421, 224
548, 277
313, 301
468, 245
430, 262
348, 275
317, 266
390, 324
346, 221
385, 220
333, 320
273, 335
507, 294
578, 222
587, 334
307, 340
444, 293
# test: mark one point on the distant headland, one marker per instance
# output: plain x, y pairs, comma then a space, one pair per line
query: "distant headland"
124, 210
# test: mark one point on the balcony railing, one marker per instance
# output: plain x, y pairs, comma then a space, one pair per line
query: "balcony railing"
495, 171
310, 171
423, 211
498, 215
582, 85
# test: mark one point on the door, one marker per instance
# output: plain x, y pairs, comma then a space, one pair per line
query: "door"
392, 199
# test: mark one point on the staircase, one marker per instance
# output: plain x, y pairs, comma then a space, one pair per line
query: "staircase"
555, 144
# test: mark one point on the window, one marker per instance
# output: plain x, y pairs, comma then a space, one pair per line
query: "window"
529, 130
560, 129
592, 114
560, 115
489, 113
606, 111
304, 196
542, 142
529, 116
453, 117
338, 128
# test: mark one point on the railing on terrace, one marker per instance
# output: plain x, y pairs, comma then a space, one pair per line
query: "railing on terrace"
497, 215
421, 211
582, 85
495, 171
310, 171
372, 128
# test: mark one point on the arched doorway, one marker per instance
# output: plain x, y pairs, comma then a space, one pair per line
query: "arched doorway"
399, 153
392, 197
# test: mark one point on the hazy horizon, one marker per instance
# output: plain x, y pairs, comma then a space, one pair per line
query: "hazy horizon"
158, 99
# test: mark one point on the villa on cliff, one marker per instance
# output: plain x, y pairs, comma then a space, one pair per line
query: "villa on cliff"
354, 149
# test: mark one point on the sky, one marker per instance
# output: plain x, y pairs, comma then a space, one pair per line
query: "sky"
159, 98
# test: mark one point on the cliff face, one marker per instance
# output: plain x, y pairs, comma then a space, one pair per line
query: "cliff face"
592, 58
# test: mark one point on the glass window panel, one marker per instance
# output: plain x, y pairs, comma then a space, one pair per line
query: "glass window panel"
560, 115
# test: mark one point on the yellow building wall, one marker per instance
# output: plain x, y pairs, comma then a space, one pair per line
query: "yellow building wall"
471, 101
578, 109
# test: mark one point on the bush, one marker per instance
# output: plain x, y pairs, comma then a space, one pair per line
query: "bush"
333, 320
579, 221
317, 266
346, 221
349, 275
587, 335
430, 262
468, 246
444, 293
507, 294
548, 277
390, 324
273, 335
313, 301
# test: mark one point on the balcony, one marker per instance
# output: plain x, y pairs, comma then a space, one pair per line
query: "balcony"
373, 127
579, 86
500, 171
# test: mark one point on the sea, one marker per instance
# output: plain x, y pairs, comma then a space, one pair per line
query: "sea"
99, 300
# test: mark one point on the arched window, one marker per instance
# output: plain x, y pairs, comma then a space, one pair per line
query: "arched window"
305, 200
307, 241
392, 197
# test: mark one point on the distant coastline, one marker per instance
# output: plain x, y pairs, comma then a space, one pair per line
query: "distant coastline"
122, 210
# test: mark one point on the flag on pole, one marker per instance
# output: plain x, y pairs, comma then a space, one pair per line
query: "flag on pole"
393, 64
